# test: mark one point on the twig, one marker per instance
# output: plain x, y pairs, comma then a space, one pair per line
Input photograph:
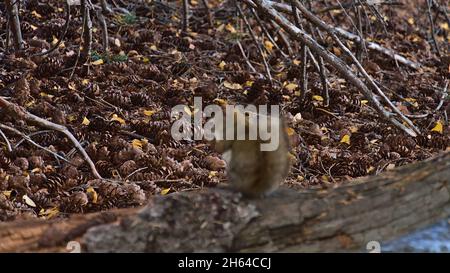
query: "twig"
264, 29
63, 34
104, 28
303, 54
22, 114
208, 13
27, 138
432, 28
87, 34
266, 7
315, 20
8, 144
14, 23
349, 4
245, 57
252, 34
30, 135
355, 38
134, 172
105, 6
185, 24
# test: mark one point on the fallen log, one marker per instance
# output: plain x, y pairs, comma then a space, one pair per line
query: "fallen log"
345, 218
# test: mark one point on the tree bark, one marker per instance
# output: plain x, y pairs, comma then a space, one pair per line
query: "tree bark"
345, 218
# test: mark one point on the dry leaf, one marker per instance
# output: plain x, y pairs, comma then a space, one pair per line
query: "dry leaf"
291, 86
165, 191
233, 86
222, 65
438, 127
28, 201
118, 119
98, 62
94, 195
317, 98
86, 121
345, 139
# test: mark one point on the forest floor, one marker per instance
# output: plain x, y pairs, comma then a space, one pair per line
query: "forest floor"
118, 103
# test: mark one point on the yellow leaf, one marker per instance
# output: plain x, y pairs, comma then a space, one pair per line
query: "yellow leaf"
137, 144
290, 131
438, 128
149, 113
248, 83
118, 119
346, 139
86, 121
337, 51
36, 14
291, 86
55, 40
212, 174
85, 81
187, 110
153, 47
364, 102
296, 62
28, 201
222, 65
145, 60
72, 117
98, 62
220, 101
7, 193
411, 21
43, 94
268, 45
49, 213
165, 191
230, 28
233, 86
93, 193
444, 26
317, 98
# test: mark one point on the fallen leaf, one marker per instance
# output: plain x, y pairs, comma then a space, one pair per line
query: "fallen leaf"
165, 191
36, 14
28, 201
438, 127
86, 121
222, 65
7, 193
317, 98
233, 86
230, 28
137, 143
49, 213
91, 191
345, 139
115, 117
291, 86
149, 113
98, 62
268, 45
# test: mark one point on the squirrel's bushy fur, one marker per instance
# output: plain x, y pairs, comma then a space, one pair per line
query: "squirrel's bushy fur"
251, 170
